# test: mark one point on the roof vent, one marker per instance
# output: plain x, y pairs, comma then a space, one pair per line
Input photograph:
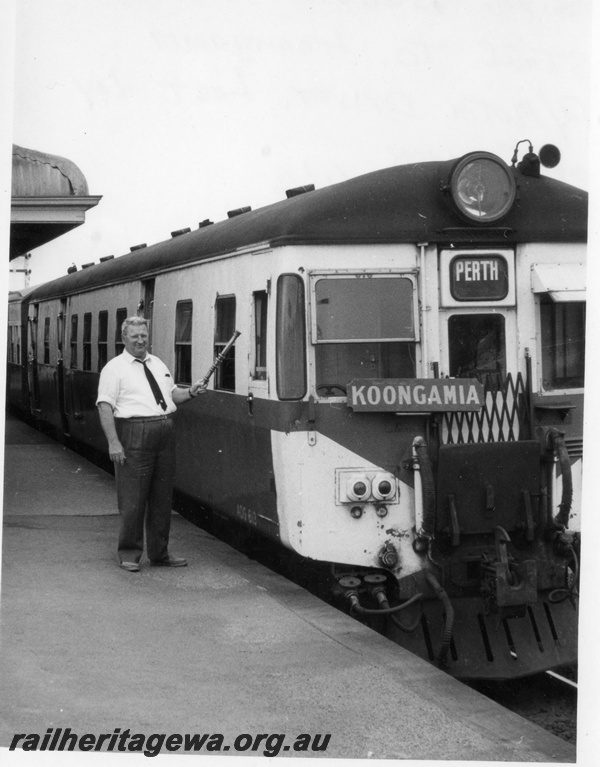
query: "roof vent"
299, 190
206, 222
179, 232
86, 266
72, 269
238, 211
106, 258
137, 247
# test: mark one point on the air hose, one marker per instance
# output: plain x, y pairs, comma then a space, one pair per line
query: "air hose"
358, 608
557, 441
559, 595
448, 629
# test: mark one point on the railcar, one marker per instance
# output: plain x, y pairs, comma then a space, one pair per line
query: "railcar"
404, 402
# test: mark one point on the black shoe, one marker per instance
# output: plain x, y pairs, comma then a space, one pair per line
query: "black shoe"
169, 561
133, 567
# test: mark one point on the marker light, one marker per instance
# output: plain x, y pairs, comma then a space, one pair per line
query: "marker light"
358, 488
356, 512
482, 187
384, 487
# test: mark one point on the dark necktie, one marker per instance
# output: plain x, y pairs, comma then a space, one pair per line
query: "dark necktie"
153, 385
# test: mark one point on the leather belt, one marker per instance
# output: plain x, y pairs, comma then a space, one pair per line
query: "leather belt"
141, 418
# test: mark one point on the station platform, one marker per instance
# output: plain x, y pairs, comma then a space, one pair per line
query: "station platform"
221, 647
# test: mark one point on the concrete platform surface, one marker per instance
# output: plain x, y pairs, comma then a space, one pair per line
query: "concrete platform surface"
223, 646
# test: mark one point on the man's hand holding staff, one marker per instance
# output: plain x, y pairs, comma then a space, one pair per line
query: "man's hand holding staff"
200, 386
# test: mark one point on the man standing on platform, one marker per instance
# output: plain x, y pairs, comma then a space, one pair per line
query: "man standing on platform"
136, 402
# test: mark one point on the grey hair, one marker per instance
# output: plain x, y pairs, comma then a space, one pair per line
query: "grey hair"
133, 321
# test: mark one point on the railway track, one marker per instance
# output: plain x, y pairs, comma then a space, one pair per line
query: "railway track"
548, 700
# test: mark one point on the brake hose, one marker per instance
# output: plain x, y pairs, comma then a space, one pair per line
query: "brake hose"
448, 629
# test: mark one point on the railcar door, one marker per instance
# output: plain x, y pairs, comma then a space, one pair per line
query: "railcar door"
478, 339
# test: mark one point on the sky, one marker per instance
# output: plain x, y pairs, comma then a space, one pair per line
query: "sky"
180, 110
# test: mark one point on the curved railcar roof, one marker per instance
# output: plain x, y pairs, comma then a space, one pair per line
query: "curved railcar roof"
400, 204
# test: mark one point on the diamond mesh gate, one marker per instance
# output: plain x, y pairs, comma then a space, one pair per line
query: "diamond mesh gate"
504, 417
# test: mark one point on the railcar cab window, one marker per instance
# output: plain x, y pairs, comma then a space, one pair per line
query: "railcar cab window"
364, 326
477, 346
183, 343
224, 329
290, 342
563, 343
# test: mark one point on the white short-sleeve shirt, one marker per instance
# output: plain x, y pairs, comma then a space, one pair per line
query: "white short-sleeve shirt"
123, 384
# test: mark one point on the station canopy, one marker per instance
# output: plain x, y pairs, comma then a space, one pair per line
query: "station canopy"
49, 198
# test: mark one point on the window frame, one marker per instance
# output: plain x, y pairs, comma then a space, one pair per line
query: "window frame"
120, 316
227, 369
297, 388
349, 274
552, 387
86, 360
260, 308
183, 348
102, 338
46, 340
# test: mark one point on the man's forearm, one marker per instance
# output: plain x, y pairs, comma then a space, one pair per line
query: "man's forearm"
107, 421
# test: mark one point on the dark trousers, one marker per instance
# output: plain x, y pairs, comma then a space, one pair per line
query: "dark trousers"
145, 487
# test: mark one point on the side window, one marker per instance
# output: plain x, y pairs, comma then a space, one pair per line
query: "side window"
87, 341
477, 346
224, 329
260, 336
74, 321
563, 344
290, 346
102, 339
47, 341
121, 316
183, 343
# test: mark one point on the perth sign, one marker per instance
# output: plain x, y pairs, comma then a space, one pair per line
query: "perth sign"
415, 395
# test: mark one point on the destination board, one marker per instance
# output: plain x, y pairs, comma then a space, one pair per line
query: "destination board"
415, 395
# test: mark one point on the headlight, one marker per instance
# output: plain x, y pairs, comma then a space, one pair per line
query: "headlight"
482, 187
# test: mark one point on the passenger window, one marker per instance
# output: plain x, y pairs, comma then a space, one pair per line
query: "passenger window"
260, 336
364, 328
74, 320
563, 344
87, 341
183, 343
290, 346
477, 346
47, 341
121, 316
102, 339
224, 330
